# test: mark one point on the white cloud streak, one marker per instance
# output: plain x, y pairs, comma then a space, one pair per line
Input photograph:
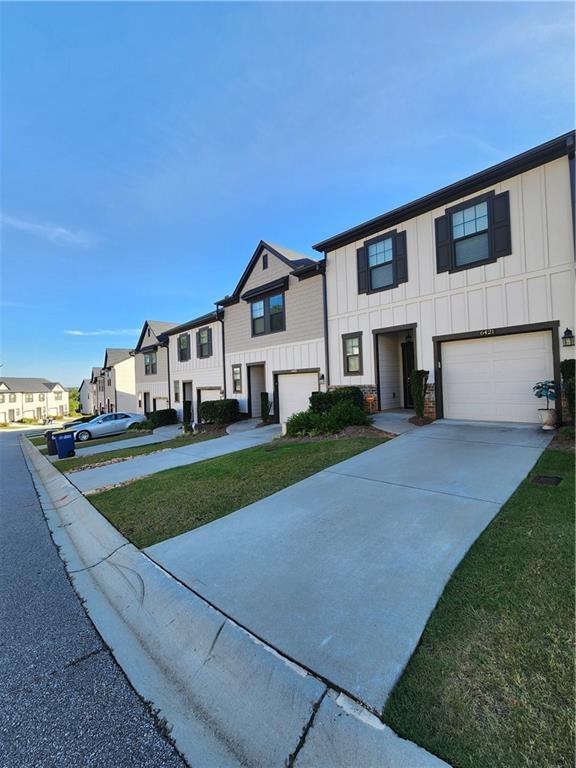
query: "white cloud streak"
104, 332
51, 232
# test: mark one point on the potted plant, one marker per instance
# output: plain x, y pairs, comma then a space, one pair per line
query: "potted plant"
546, 389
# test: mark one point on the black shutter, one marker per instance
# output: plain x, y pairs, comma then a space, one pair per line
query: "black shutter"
362, 263
401, 258
501, 236
443, 243
209, 343
198, 344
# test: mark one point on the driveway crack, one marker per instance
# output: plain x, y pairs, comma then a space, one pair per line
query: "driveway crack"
293, 755
88, 567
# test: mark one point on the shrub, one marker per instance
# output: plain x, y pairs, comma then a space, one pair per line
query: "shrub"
265, 406
163, 417
306, 423
187, 412
567, 369
345, 414
142, 425
219, 411
418, 382
27, 421
322, 402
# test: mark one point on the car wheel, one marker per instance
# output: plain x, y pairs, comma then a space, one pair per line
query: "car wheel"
83, 435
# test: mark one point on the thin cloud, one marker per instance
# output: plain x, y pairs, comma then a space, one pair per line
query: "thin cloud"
51, 232
104, 332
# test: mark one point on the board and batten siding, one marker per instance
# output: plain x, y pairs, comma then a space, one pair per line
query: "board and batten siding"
203, 372
156, 384
535, 283
125, 385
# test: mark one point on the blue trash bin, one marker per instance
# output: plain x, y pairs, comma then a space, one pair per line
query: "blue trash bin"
64, 444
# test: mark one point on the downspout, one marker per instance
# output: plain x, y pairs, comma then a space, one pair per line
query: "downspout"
570, 143
325, 308
221, 321
167, 347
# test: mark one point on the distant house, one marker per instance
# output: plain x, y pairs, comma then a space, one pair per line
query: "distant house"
151, 359
119, 380
196, 367
24, 398
87, 395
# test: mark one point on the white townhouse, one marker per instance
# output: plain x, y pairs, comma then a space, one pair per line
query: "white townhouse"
151, 358
119, 377
474, 282
87, 395
97, 381
195, 362
31, 398
274, 332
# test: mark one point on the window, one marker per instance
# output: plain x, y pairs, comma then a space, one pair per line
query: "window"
204, 343
176, 391
352, 350
150, 363
139, 399
2, 398
57, 395
268, 315
28, 398
11, 398
120, 416
109, 382
184, 347
41, 397
110, 417
264, 261
380, 263
101, 385
473, 233
237, 378
470, 234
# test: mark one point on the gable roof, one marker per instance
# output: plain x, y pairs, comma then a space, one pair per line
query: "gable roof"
28, 385
543, 153
158, 327
292, 259
85, 383
115, 355
95, 373
210, 317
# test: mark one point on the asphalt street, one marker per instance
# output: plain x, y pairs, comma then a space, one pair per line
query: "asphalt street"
63, 699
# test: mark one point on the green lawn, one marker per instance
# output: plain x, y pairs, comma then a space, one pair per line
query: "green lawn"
177, 500
79, 461
491, 683
132, 433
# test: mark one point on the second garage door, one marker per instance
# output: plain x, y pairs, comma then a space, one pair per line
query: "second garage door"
491, 379
294, 390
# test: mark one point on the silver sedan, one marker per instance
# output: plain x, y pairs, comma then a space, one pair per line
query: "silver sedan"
105, 424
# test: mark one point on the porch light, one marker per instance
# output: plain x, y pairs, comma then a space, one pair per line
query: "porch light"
321, 378
568, 338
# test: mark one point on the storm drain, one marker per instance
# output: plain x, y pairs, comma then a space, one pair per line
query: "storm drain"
546, 480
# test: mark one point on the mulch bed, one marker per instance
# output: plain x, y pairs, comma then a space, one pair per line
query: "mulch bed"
345, 433
563, 440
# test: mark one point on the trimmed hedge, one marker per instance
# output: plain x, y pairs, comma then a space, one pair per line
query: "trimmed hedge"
568, 371
141, 425
265, 406
219, 411
322, 402
418, 382
187, 411
341, 415
162, 418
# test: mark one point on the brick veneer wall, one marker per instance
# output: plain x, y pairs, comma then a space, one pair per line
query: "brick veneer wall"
430, 402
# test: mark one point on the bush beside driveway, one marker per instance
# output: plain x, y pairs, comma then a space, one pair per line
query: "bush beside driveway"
175, 501
491, 683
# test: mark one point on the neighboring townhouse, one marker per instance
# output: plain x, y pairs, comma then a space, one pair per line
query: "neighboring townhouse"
152, 373
196, 367
474, 282
119, 374
31, 398
97, 381
274, 332
87, 395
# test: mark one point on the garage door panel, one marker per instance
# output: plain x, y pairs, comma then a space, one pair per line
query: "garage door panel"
491, 379
209, 394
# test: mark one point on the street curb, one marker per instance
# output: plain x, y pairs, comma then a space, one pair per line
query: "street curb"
227, 698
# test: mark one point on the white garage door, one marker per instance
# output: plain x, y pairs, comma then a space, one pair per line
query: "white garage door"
294, 390
491, 379
209, 394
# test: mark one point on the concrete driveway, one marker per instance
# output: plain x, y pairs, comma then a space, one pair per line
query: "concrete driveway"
247, 436
341, 571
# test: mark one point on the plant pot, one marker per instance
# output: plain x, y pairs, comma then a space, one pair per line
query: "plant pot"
547, 417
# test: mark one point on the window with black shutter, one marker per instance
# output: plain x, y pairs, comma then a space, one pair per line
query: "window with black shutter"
473, 233
204, 342
382, 263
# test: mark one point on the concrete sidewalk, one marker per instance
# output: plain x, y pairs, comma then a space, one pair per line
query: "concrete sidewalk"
90, 480
341, 571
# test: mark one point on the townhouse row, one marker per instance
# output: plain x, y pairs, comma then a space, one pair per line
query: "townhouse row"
31, 398
474, 282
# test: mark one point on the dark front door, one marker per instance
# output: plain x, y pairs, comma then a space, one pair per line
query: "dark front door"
146, 402
407, 368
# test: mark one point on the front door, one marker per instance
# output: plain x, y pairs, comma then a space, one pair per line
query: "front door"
146, 402
38, 413
11, 415
407, 368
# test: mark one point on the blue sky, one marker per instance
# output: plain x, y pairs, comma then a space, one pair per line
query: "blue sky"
148, 147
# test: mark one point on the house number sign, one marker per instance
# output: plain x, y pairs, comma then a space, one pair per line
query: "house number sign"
487, 332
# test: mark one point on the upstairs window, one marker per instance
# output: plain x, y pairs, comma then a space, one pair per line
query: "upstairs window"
28, 398
382, 263
11, 398
473, 233
2, 398
204, 343
268, 315
380, 258
57, 395
184, 347
150, 363
41, 397
352, 353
